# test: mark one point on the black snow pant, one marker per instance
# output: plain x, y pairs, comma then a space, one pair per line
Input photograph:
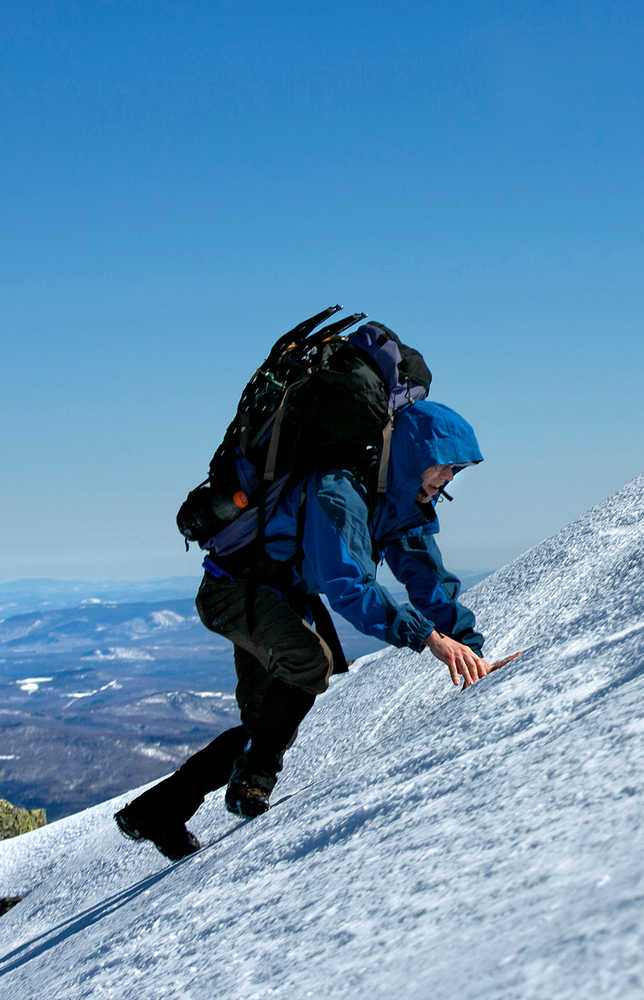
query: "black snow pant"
281, 662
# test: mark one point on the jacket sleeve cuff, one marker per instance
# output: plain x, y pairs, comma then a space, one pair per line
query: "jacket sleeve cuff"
410, 629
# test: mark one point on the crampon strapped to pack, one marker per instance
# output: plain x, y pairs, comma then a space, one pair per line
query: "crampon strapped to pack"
321, 399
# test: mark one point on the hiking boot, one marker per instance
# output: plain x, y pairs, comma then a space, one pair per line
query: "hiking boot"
172, 839
249, 788
246, 800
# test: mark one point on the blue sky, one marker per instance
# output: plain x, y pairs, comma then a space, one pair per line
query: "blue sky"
184, 181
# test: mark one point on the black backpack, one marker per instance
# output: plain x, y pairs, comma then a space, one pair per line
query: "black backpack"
319, 400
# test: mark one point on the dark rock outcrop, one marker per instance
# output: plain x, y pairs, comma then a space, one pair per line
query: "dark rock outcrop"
6, 902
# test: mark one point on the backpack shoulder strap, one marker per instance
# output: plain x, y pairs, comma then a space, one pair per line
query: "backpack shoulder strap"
383, 467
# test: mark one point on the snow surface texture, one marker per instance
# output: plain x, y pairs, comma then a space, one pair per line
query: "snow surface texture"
424, 843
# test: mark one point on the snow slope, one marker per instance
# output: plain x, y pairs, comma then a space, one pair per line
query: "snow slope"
424, 843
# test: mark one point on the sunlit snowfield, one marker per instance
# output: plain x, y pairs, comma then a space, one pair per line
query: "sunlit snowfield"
424, 843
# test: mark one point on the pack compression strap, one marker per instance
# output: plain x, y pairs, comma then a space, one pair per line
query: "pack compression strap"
271, 457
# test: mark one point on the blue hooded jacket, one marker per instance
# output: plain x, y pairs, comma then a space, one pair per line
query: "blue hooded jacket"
343, 540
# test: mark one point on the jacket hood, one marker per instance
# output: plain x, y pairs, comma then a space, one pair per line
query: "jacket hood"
425, 434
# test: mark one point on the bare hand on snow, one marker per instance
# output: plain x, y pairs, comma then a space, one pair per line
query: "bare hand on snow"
461, 659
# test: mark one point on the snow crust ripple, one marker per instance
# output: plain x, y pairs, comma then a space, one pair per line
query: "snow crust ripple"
423, 842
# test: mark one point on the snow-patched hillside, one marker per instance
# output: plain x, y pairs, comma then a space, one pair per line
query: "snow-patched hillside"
424, 843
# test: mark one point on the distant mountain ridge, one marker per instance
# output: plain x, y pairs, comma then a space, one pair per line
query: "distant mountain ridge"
36, 594
96, 694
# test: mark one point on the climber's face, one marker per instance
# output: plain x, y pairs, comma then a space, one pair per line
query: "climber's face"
432, 479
